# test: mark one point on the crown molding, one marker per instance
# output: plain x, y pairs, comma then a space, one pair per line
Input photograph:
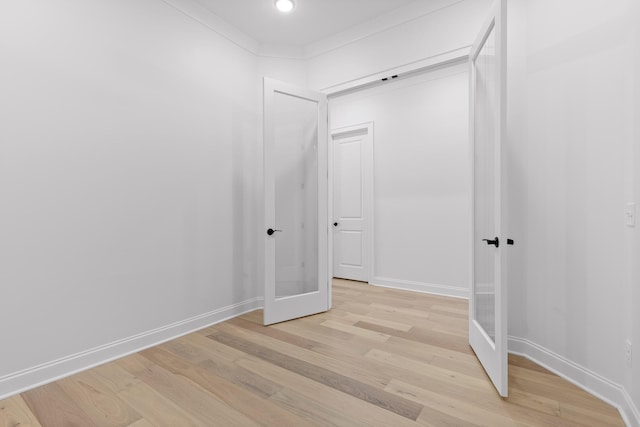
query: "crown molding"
281, 52
413, 11
195, 10
199, 13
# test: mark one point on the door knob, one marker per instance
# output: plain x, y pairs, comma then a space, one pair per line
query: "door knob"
335, 224
495, 242
271, 231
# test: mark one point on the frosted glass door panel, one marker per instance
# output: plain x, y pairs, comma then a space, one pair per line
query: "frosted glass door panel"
484, 186
488, 302
296, 195
295, 202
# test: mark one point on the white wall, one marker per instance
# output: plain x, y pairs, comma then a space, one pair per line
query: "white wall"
574, 163
573, 150
293, 71
421, 177
131, 165
129, 133
439, 27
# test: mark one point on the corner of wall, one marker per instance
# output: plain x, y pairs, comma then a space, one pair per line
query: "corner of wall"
608, 391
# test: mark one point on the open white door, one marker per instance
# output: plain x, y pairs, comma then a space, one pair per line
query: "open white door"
488, 302
296, 198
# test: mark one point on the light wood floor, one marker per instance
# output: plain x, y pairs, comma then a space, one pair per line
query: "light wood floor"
380, 358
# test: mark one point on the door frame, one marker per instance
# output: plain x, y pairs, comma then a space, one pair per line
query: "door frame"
369, 192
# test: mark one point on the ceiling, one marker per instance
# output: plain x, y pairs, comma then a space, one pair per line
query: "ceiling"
310, 21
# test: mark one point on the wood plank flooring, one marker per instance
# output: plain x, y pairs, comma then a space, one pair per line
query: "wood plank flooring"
380, 357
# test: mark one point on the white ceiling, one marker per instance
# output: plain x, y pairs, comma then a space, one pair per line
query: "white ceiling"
310, 21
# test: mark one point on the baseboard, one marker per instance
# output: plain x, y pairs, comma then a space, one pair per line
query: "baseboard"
589, 381
428, 288
629, 411
51, 371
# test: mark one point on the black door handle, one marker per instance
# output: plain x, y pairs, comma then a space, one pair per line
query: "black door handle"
271, 231
335, 224
495, 242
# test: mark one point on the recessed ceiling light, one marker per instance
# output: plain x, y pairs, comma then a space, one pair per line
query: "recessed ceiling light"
284, 5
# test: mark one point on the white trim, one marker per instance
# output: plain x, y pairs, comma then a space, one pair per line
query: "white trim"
396, 18
329, 207
401, 16
202, 15
426, 288
36, 376
281, 52
591, 382
426, 64
629, 411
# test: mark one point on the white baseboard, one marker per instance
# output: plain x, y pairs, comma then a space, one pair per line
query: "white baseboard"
428, 288
629, 411
591, 382
587, 380
27, 379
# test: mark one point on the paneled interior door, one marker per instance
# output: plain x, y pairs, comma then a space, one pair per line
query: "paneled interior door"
296, 199
352, 178
488, 302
